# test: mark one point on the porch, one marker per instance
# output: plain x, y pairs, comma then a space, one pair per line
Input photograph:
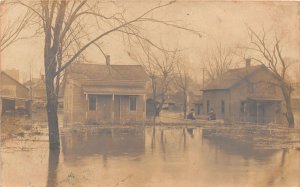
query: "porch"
119, 107
260, 110
15, 106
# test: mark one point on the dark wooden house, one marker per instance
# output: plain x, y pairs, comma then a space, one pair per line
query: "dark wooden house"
96, 94
247, 94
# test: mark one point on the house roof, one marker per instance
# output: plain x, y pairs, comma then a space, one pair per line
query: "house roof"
108, 73
14, 80
232, 77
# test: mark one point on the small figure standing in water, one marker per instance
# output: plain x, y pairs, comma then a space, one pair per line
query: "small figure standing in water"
191, 115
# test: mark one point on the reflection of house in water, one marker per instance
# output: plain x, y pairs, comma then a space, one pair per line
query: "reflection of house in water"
107, 142
96, 93
245, 150
14, 95
246, 94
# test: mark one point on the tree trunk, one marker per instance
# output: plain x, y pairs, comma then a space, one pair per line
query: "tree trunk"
52, 104
185, 106
53, 162
53, 123
0, 103
289, 110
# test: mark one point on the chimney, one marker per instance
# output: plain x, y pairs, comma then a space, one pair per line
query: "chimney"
107, 58
248, 62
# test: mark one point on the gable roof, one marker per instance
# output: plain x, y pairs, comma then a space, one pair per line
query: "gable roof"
107, 72
232, 77
2, 73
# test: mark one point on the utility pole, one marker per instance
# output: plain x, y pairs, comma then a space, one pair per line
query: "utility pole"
30, 79
203, 76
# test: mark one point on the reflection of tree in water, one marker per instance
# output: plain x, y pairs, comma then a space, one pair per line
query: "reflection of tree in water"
163, 143
104, 159
167, 137
52, 167
153, 139
106, 142
184, 139
278, 172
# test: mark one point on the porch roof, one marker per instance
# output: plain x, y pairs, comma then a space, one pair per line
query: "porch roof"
266, 99
113, 90
14, 98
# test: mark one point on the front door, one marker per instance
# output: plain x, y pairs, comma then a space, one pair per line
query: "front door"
117, 109
104, 108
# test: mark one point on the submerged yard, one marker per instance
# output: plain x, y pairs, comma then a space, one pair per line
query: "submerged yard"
144, 156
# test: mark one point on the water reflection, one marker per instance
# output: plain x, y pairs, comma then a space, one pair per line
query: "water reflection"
105, 142
190, 131
245, 150
150, 157
172, 151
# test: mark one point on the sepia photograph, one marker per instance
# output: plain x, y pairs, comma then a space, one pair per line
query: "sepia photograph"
149, 93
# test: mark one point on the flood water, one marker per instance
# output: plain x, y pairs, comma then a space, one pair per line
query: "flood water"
145, 157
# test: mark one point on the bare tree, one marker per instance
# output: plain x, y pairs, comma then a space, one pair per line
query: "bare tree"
166, 73
182, 80
10, 31
219, 60
63, 29
269, 52
160, 67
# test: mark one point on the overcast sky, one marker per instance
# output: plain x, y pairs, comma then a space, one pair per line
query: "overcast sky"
218, 21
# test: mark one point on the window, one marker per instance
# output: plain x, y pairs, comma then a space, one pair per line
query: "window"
132, 103
66, 103
207, 106
92, 103
223, 107
198, 109
242, 107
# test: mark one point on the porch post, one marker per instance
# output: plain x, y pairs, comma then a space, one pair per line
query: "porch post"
144, 113
113, 108
245, 118
86, 111
257, 112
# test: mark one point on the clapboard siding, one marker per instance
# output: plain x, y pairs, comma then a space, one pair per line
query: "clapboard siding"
112, 103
